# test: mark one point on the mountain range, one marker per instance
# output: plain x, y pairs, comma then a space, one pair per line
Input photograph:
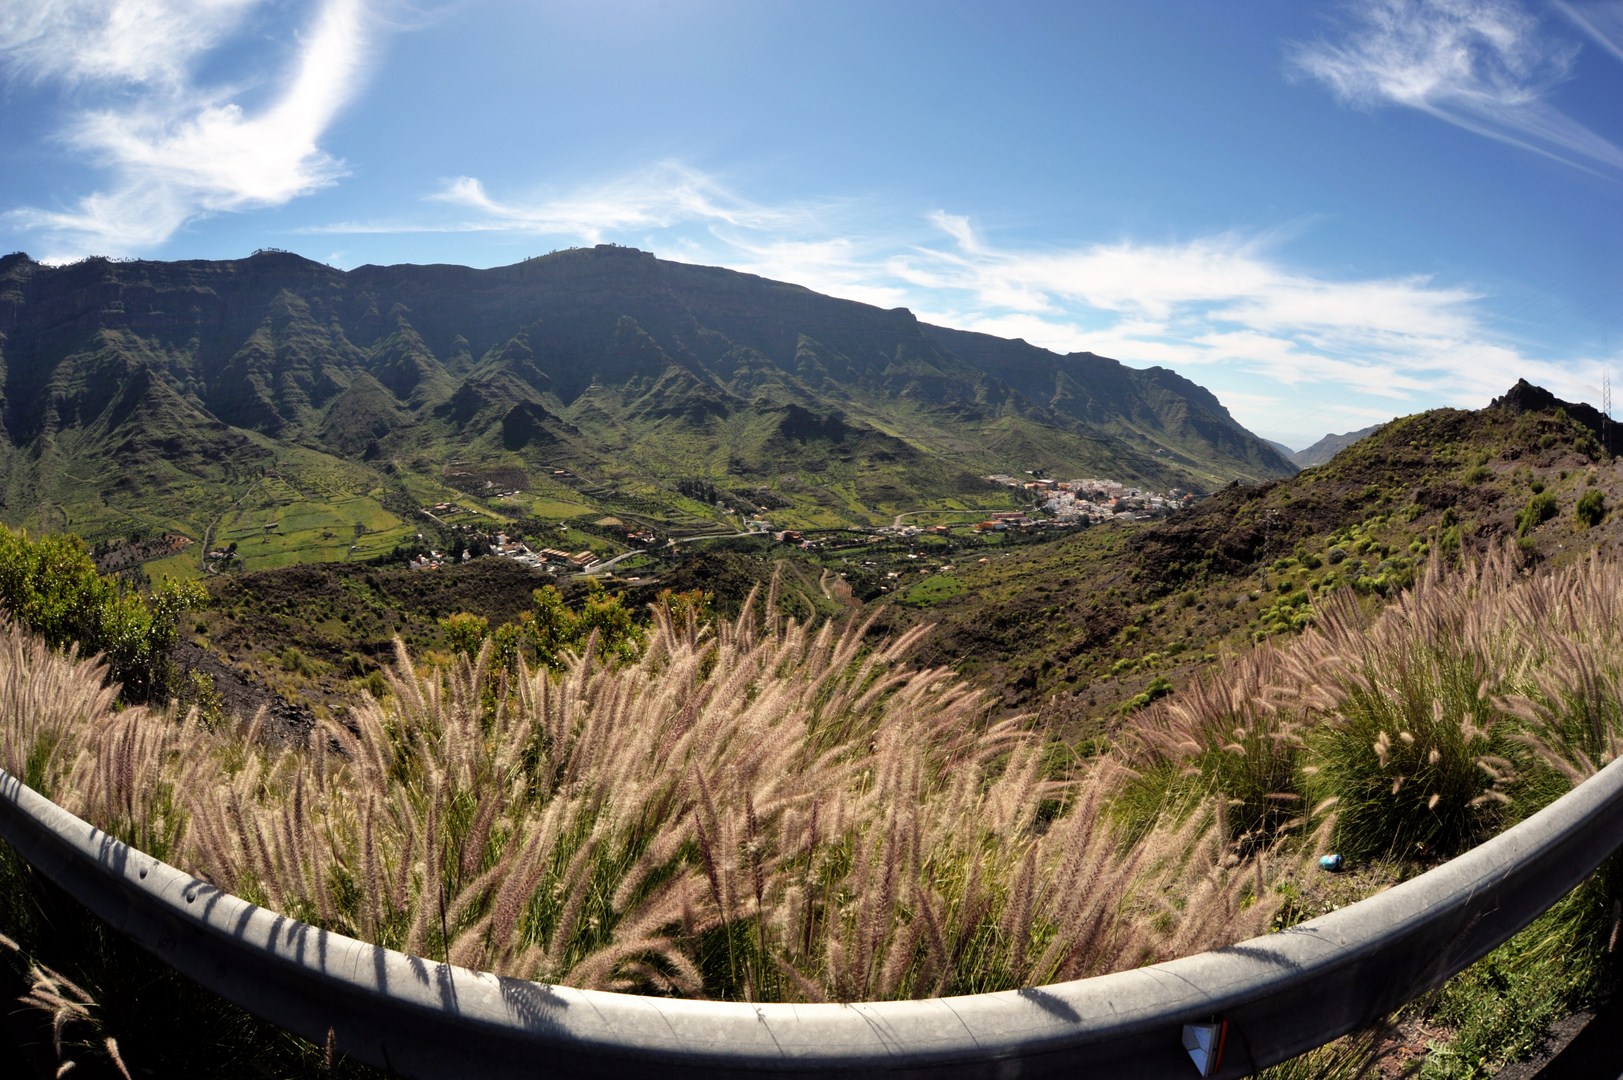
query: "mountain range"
136, 393
1329, 446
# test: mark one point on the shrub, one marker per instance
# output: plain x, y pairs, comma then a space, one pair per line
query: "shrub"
292, 659
1159, 687
1591, 508
1403, 771
1539, 509
464, 632
1410, 754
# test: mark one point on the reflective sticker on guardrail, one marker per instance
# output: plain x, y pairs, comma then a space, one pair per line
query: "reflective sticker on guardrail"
1205, 1044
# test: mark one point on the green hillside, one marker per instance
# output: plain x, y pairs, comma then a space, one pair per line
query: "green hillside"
1085, 625
210, 399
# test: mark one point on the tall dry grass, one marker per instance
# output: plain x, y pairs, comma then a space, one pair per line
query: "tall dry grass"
787, 812
770, 812
1416, 729
784, 811
72, 1010
1470, 702
1234, 737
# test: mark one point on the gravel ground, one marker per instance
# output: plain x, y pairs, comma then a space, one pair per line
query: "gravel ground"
287, 723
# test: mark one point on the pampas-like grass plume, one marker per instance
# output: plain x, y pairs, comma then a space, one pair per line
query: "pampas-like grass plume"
764, 809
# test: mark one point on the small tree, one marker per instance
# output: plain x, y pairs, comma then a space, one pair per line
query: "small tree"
618, 633
50, 585
465, 632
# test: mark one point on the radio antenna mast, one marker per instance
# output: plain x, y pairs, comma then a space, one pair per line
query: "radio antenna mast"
1606, 413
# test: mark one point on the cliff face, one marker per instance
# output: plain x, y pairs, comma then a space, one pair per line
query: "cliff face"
586, 356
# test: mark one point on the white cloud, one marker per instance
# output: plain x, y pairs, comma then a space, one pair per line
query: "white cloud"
1033, 329
837, 267
178, 150
663, 195
1230, 305
689, 214
94, 41
1482, 65
1406, 306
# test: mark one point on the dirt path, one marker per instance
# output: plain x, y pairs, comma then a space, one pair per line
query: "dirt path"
208, 534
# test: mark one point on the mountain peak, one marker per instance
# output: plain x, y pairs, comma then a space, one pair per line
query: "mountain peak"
1525, 397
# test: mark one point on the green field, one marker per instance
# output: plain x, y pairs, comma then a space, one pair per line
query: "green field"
932, 590
547, 506
287, 519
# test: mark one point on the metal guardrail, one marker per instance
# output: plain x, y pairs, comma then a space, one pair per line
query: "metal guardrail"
1279, 995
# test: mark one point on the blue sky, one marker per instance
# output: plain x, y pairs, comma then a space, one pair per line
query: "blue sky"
1329, 213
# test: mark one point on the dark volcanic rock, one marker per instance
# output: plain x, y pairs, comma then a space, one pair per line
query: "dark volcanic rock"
1524, 397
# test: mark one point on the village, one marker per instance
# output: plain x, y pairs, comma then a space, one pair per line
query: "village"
1092, 500
551, 560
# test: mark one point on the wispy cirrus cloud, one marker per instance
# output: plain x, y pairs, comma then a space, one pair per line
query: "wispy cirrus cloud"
1486, 66
1226, 300
93, 41
1232, 306
174, 148
657, 197
661, 195
1602, 21
688, 213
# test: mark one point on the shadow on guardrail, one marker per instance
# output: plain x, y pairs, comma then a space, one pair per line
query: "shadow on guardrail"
1233, 1010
